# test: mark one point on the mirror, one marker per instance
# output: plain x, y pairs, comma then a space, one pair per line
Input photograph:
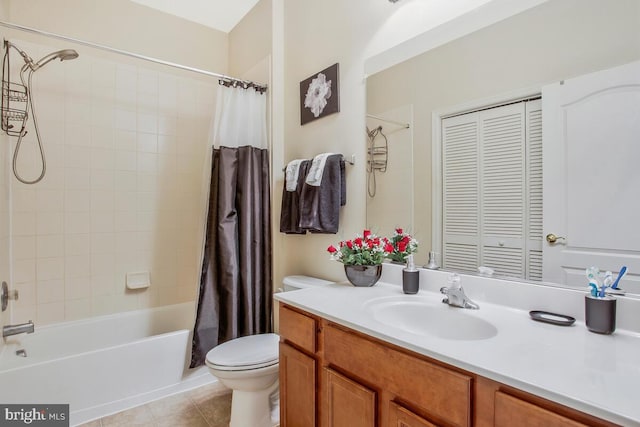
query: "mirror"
557, 40
389, 166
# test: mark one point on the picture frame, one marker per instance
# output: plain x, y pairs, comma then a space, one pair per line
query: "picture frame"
320, 95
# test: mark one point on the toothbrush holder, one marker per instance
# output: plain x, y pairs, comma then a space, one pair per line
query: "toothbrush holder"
600, 314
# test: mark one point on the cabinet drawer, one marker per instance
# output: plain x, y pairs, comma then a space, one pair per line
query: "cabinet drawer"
442, 393
511, 411
298, 328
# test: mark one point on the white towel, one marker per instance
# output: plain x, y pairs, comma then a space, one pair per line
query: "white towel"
314, 176
291, 174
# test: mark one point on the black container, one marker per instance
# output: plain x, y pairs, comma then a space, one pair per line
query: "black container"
600, 314
363, 275
410, 281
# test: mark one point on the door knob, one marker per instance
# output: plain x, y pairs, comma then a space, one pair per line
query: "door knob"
552, 238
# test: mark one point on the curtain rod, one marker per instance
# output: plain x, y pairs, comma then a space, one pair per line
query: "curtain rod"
404, 125
131, 54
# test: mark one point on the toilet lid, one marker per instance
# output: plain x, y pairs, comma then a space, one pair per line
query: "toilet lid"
248, 352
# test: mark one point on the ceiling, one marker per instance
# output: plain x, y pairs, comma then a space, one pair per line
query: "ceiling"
221, 15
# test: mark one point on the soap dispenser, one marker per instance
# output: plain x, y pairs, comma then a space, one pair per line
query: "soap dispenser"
410, 277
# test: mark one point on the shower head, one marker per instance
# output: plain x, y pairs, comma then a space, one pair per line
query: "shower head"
64, 55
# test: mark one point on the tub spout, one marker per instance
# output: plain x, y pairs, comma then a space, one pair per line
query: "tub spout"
21, 328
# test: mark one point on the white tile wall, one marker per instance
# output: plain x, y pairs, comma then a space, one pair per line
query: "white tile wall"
25, 246
125, 152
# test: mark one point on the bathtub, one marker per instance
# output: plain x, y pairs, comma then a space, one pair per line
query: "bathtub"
105, 364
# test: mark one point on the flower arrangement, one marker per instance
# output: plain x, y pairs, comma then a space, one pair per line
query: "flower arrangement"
367, 249
403, 244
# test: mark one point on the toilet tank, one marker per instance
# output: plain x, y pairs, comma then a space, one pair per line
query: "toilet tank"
292, 283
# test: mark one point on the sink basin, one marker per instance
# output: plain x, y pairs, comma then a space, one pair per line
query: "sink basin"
424, 316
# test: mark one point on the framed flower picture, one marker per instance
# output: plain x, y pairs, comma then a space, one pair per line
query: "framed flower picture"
319, 95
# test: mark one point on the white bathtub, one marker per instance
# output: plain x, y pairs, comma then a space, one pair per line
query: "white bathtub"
105, 364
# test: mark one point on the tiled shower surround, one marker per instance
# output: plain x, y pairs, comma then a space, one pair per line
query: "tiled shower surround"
126, 147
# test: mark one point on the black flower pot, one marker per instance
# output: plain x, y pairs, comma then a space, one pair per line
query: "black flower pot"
363, 275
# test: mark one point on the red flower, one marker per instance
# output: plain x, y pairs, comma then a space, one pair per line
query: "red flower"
370, 244
349, 244
399, 230
402, 245
388, 247
405, 240
332, 249
366, 234
358, 241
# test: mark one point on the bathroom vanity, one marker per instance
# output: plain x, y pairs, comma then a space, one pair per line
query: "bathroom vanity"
346, 360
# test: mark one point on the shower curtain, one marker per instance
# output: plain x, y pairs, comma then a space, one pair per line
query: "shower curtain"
235, 285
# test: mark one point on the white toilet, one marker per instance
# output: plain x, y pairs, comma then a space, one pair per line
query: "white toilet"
249, 367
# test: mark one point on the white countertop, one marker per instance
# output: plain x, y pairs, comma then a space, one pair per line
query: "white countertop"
593, 373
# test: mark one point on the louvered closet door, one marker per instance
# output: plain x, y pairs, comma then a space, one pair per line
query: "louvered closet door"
460, 181
533, 112
492, 190
502, 189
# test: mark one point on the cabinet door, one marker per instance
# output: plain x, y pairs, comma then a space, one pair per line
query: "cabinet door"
297, 388
402, 417
347, 403
420, 383
511, 411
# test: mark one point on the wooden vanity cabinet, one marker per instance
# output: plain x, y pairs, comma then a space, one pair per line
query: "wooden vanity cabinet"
402, 417
440, 394
298, 368
500, 405
333, 376
347, 403
298, 383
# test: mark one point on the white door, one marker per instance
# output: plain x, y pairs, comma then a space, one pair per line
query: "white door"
591, 175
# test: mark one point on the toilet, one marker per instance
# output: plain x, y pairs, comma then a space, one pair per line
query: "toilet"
249, 367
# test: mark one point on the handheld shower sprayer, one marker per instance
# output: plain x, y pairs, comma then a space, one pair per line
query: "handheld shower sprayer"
26, 73
64, 55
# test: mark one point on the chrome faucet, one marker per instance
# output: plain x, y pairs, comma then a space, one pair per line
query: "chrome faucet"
21, 328
455, 294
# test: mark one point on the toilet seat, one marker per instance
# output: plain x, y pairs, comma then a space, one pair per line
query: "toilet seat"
244, 354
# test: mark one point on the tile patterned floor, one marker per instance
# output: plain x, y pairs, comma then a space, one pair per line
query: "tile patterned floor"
207, 406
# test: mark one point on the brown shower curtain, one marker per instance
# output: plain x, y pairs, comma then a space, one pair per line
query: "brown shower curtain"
235, 285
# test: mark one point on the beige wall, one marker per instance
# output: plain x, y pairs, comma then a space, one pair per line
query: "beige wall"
250, 40
554, 41
126, 143
317, 35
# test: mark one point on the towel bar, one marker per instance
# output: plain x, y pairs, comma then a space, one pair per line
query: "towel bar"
351, 162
